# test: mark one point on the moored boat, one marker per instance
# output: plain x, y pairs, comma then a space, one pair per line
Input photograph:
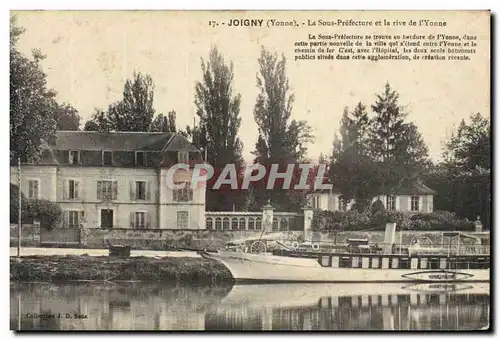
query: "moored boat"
379, 264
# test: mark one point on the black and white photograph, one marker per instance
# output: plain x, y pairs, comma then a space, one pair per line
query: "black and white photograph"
250, 171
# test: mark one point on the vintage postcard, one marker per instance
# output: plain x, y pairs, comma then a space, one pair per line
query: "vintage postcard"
250, 170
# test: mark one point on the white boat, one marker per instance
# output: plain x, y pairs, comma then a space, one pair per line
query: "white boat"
269, 268
446, 265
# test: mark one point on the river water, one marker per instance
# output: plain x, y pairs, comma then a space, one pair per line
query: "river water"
141, 306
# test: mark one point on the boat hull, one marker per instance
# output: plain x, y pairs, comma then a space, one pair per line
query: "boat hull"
266, 268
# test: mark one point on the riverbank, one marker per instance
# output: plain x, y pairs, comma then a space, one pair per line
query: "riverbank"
66, 251
109, 269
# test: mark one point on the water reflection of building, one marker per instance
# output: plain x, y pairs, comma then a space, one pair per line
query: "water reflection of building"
162, 307
113, 307
375, 312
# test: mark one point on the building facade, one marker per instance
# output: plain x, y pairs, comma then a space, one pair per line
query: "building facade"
415, 198
117, 180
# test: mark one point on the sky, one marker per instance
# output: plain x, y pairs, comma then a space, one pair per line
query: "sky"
89, 55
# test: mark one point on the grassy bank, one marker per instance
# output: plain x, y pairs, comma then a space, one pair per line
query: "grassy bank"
104, 268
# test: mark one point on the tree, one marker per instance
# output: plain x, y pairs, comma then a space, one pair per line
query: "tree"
47, 212
99, 122
67, 118
470, 146
218, 109
194, 135
91, 125
163, 123
323, 159
299, 134
466, 193
134, 112
463, 180
378, 155
14, 204
352, 171
32, 104
281, 140
397, 145
354, 130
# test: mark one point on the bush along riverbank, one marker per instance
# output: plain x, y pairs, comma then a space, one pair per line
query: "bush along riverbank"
108, 269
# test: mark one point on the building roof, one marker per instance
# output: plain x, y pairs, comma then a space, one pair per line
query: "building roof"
178, 143
47, 157
417, 188
161, 148
113, 141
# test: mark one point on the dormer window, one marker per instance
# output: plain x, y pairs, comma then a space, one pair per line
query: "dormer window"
107, 158
183, 157
74, 157
140, 158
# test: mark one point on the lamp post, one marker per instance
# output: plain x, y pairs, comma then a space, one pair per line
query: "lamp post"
19, 207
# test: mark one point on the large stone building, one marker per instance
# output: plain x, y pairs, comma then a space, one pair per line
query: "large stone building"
117, 180
413, 198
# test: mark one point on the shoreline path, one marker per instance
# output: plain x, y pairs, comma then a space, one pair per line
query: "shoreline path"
29, 251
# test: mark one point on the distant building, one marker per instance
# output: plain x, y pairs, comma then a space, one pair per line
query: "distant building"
414, 198
117, 180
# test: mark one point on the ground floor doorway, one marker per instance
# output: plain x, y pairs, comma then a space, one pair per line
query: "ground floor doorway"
107, 218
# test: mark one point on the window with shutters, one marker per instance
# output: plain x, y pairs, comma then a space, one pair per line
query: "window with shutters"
140, 190
140, 219
415, 203
75, 218
315, 202
184, 194
107, 158
390, 203
340, 204
107, 190
73, 189
33, 188
74, 157
182, 219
